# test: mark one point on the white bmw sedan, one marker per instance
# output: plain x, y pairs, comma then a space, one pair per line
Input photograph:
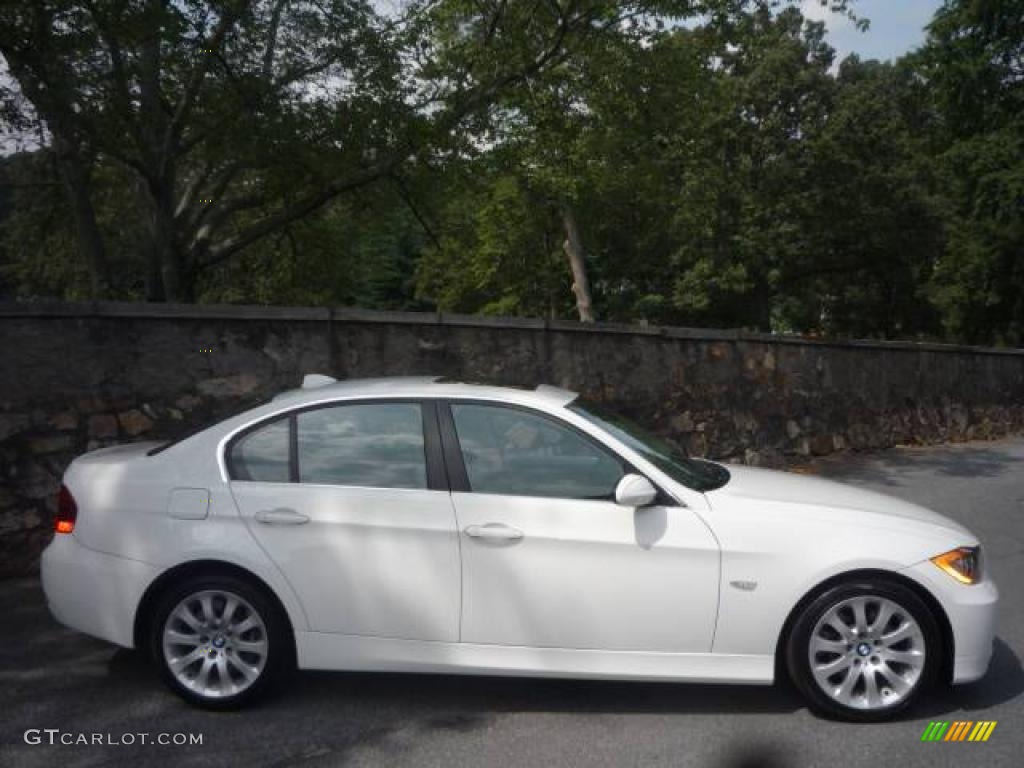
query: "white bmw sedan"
424, 525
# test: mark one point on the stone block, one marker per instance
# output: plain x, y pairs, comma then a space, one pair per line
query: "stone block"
50, 444
102, 425
135, 422
230, 386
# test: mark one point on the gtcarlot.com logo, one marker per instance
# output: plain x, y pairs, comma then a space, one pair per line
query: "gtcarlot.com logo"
959, 731
57, 737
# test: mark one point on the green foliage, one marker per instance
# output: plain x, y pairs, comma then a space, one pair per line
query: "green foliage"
719, 166
497, 254
974, 64
350, 255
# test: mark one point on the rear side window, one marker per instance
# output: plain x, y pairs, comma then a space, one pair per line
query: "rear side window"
377, 445
262, 455
373, 445
515, 452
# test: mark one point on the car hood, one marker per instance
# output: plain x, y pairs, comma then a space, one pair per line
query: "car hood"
750, 484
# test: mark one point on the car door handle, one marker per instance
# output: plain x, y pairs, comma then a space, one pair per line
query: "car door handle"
281, 517
494, 531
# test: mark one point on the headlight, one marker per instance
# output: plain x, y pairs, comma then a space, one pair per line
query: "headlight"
963, 564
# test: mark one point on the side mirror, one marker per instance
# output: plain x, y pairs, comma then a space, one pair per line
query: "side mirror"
635, 491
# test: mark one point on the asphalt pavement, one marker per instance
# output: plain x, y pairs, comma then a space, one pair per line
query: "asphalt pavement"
54, 678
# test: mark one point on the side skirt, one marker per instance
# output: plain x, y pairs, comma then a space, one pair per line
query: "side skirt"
318, 650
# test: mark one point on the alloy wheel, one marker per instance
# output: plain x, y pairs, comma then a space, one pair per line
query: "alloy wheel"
215, 643
867, 652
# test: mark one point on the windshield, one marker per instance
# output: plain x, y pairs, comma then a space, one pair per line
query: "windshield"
693, 473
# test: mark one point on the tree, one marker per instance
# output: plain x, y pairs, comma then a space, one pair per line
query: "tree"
877, 221
237, 118
598, 144
747, 190
973, 63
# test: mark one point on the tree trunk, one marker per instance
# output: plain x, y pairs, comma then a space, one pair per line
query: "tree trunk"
165, 252
160, 175
763, 304
573, 248
75, 177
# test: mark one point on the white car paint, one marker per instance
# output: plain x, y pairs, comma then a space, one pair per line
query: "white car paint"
696, 588
371, 562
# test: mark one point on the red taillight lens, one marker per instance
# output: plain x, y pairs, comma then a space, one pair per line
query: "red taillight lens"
67, 511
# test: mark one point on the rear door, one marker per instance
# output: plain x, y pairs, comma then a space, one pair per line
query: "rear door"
350, 501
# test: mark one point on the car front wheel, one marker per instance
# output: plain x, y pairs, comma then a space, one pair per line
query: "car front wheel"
865, 650
219, 641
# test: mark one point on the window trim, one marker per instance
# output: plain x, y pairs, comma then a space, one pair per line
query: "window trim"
459, 477
433, 460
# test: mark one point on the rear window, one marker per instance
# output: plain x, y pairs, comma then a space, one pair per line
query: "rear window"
369, 445
262, 454
193, 428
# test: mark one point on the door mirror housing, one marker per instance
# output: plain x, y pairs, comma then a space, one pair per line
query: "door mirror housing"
635, 491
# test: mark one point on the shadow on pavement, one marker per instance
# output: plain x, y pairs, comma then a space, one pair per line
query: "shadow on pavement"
492, 695
949, 461
458, 702
1003, 682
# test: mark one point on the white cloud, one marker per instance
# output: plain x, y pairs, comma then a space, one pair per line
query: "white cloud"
815, 11
835, 23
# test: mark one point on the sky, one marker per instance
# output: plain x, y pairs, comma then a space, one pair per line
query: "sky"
897, 26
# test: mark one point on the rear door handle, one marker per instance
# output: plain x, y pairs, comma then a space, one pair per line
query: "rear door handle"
281, 516
494, 532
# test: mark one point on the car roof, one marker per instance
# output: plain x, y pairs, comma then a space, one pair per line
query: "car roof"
317, 388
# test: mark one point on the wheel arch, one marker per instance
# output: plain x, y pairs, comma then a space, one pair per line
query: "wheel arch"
206, 567
945, 628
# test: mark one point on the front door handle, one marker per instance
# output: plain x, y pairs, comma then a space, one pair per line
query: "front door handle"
494, 532
281, 516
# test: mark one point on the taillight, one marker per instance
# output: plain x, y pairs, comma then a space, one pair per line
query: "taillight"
67, 511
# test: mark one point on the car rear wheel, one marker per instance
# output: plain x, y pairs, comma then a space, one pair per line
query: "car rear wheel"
219, 640
864, 650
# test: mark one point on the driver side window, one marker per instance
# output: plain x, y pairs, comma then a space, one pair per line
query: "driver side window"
515, 452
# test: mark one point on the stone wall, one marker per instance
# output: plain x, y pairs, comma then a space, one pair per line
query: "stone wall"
79, 376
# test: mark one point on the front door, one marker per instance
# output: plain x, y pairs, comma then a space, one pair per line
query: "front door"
550, 560
341, 499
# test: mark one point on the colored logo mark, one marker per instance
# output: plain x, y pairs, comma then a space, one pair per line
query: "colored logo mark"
959, 730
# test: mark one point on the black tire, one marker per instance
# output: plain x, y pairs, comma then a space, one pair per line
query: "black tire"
272, 626
875, 589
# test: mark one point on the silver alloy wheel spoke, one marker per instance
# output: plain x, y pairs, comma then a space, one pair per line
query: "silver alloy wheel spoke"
871, 688
190, 619
902, 632
840, 626
203, 638
206, 601
182, 638
860, 617
839, 646
228, 611
249, 673
895, 681
885, 613
829, 668
181, 662
909, 657
857, 665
